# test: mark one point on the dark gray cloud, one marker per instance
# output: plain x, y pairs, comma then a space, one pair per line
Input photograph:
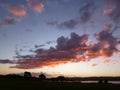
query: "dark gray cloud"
49, 42
37, 46
74, 42
106, 43
52, 23
5, 61
85, 14
115, 10
8, 21
70, 24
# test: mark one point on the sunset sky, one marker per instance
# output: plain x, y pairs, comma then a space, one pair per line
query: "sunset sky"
75, 38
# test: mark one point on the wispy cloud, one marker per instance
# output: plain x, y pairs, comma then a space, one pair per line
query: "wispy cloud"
107, 11
36, 5
107, 61
18, 10
85, 15
9, 21
107, 26
86, 12
114, 11
6, 61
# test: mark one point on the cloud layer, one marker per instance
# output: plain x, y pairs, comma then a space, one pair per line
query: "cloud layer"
73, 49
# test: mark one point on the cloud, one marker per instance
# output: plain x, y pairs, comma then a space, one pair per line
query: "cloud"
9, 21
107, 12
71, 24
62, 53
5, 61
107, 61
18, 10
36, 5
72, 49
4, 3
94, 65
106, 45
49, 42
118, 46
52, 23
114, 12
85, 14
107, 26
74, 42
28, 30
37, 46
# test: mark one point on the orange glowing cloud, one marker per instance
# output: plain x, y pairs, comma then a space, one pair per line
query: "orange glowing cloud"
37, 6
18, 10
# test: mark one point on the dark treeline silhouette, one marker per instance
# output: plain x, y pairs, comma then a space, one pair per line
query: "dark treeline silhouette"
42, 77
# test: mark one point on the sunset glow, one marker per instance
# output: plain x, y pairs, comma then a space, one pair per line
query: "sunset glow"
73, 38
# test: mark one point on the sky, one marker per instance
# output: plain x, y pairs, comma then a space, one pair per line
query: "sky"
74, 38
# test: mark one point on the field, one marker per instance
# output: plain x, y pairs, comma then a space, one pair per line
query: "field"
14, 84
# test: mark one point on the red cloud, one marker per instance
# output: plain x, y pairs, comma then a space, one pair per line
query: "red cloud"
18, 10
37, 6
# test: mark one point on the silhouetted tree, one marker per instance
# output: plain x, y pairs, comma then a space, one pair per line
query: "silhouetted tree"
60, 78
27, 74
14, 76
42, 77
105, 81
100, 81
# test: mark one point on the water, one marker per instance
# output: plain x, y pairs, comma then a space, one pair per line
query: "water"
89, 81
113, 82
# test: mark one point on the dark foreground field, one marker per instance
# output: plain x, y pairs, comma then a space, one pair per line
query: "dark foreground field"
22, 84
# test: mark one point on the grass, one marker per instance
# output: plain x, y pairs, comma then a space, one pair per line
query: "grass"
14, 84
